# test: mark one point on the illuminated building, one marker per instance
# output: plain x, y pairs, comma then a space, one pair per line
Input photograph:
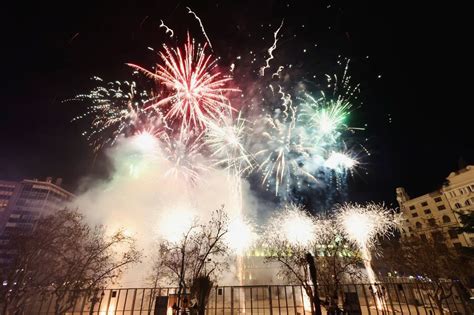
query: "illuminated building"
23, 203
434, 215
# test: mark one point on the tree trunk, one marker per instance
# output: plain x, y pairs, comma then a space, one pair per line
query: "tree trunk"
314, 279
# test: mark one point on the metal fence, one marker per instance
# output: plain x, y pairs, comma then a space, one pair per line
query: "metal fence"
412, 298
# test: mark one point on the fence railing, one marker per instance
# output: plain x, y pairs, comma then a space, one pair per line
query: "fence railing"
413, 298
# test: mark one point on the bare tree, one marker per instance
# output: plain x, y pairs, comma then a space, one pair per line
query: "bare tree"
195, 260
336, 261
431, 259
64, 257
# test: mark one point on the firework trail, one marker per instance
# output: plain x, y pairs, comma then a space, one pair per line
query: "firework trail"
200, 24
270, 50
167, 29
196, 89
362, 225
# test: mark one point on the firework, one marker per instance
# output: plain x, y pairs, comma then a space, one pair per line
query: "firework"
270, 51
362, 224
197, 88
284, 151
293, 226
175, 222
115, 109
241, 235
339, 162
185, 157
226, 142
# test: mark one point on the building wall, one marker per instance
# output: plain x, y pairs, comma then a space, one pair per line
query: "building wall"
26, 201
433, 215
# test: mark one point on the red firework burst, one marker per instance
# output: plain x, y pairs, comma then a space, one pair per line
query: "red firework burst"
197, 88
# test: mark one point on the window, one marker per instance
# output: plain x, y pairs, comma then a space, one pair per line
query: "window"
470, 188
414, 214
437, 199
412, 207
442, 207
461, 191
423, 237
418, 225
457, 205
457, 245
446, 219
432, 222
411, 230
453, 234
424, 204
427, 211
437, 236
468, 203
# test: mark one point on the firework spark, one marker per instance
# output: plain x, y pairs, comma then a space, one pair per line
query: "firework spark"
270, 50
362, 224
241, 235
175, 222
115, 109
200, 24
185, 156
197, 89
280, 159
293, 225
226, 143
339, 162
167, 29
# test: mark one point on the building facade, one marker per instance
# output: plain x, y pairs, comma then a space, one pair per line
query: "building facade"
435, 215
23, 203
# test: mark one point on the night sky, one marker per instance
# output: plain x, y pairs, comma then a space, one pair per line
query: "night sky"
418, 113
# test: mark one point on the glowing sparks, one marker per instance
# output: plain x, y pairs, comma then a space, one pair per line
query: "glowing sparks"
226, 142
115, 109
197, 89
185, 157
241, 235
200, 24
175, 222
362, 224
294, 226
339, 162
270, 50
167, 29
